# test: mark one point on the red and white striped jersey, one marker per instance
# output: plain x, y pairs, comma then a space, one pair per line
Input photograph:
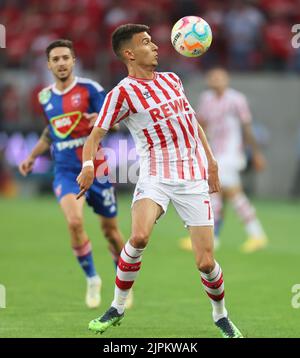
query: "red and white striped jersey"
163, 125
223, 117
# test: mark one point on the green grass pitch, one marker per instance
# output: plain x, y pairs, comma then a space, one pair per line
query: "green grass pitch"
45, 287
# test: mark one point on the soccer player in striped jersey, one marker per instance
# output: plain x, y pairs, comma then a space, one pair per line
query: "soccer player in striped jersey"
71, 106
226, 118
176, 164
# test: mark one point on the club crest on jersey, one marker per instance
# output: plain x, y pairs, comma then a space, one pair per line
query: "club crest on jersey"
146, 94
76, 100
64, 124
44, 96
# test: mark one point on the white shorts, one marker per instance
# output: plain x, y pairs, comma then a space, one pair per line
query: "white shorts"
229, 172
229, 177
190, 199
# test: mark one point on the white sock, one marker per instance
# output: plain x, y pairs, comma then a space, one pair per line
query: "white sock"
254, 229
120, 298
246, 211
128, 268
94, 279
214, 287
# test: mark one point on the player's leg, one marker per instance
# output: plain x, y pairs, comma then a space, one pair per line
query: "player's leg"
112, 233
145, 212
210, 271
101, 197
245, 210
212, 278
217, 204
73, 212
193, 205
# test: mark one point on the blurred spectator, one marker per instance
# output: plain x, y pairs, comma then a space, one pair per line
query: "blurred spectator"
9, 106
278, 7
247, 35
243, 24
214, 15
278, 38
241, 30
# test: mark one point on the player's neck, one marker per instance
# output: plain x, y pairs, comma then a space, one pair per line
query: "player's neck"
142, 73
62, 85
220, 92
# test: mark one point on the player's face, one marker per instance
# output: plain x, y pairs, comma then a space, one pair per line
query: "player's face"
61, 62
217, 79
143, 52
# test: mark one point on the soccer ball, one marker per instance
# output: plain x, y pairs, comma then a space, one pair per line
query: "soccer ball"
191, 36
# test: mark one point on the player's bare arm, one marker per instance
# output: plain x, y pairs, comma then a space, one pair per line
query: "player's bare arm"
86, 177
258, 158
44, 143
213, 177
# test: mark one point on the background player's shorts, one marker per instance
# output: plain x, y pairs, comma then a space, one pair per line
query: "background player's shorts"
190, 199
229, 171
229, 177
100, 196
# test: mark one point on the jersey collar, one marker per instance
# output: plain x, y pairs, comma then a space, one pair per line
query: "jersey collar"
143, 79
57, 91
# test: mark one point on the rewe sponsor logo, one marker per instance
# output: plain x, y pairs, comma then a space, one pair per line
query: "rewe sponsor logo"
169, 109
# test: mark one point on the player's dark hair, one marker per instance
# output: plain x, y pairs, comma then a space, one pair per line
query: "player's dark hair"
125, 33
60, 43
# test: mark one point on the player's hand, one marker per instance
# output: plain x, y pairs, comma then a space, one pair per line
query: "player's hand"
115, 128
91, 117
85, 179
259, 161
26, 166
213, 177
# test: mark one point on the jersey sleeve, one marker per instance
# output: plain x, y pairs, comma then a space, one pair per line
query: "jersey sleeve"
242, 109
43, 97
115, 109
97, 96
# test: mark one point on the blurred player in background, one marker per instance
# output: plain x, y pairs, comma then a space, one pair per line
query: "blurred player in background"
176, 165
225, 115
71, 106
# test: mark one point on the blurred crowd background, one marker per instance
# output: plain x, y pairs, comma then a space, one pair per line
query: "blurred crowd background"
252, 39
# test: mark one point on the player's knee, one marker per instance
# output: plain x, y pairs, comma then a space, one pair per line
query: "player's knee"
75, 224
206, 264
139, 240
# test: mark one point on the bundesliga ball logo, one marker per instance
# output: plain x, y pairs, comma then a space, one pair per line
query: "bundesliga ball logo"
191, 36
